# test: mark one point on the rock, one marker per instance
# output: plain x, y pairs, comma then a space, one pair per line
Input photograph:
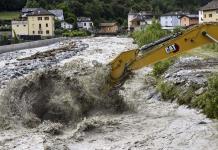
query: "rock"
199, 75
200, 91
18, 74
202, 122
152, 94
51, 128
167, 75
96, 63
30, 121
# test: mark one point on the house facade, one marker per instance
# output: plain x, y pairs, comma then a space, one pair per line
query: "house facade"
210, 12
38, 22
19, 28
171, 20
138, 21
189, 20
85, 23
108, 28
66, 25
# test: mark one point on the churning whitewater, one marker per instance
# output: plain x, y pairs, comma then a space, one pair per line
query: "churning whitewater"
63, 104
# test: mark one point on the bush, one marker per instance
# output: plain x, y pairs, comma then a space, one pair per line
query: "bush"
212, 47
186, 97
160, 67
5, 28
76, 33
177, 29
168, 91
151, 33
59, 32
171, 92
209, 101
4, 40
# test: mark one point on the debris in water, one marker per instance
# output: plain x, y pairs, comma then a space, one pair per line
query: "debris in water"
90, 124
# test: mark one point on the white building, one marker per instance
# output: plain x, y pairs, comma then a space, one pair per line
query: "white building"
85, 23
66, 25
137, 21
171, 20
201, 16
59, 14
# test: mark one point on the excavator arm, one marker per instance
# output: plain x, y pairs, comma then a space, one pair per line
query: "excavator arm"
170, 46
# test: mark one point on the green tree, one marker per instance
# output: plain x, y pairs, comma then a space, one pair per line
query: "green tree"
15, 39
32, 4
149, 34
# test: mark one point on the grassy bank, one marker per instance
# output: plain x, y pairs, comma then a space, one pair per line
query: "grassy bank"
162, 66
9, 15
207, 101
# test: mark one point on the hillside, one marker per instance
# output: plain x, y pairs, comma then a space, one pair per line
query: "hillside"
102, 10
9, 15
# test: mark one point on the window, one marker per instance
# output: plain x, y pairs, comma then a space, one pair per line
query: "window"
210, 15
46, 18
33, 32
17, 25
39, 18
84, 24
47, 31
24, 25
205, 15
46, 25
217, 11
138, 23
40, 32
40, 26
90, 24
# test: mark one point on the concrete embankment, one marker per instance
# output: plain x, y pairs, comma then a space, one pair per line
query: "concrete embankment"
28, 45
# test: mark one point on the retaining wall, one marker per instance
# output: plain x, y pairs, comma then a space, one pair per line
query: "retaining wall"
27, 45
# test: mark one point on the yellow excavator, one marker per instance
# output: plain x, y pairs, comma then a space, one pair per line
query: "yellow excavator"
170, 46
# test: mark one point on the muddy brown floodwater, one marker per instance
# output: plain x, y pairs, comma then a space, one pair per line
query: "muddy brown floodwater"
134, 118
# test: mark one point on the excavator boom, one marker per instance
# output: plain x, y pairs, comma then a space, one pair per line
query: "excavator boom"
170, 46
